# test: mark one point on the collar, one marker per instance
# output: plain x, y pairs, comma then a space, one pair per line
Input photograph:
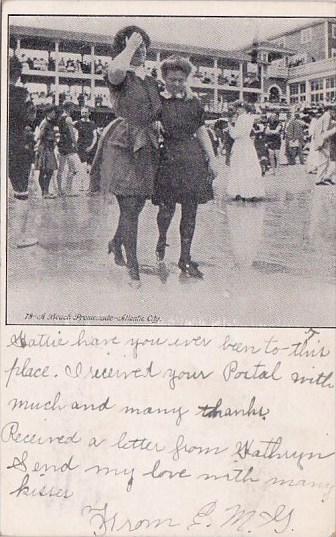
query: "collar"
167, 95
138, 71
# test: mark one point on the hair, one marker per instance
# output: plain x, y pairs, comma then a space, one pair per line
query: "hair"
68, 106
176, 63
51, 108
274, 117
219, 124
15, 67
119, 41
242, 104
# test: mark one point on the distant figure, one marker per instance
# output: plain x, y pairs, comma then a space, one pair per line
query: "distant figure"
313, 155
295, 139
87, 140
67, 148
215, 141
273, 140
260, 145
228, 140
45, 158
246, 182
323, 142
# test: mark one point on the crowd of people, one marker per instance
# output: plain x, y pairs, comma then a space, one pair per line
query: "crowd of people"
158, 147
69, 65
282, 138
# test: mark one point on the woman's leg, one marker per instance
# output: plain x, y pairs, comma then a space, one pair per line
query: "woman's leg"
47, 178
41, 180
164, 218
115, 245
187, 228
119, 234
277, 158
60, 172
130, 209
271, 153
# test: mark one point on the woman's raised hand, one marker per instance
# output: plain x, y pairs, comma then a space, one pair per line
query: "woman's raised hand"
134, 42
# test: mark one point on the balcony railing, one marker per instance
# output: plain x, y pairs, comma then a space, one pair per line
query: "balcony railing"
312, 68
61, 74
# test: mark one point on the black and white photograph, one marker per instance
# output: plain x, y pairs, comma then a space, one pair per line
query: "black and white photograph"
171, 170
168, 226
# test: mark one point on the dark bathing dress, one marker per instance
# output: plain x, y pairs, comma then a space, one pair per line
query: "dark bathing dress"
183, 171
126, 161
274, 139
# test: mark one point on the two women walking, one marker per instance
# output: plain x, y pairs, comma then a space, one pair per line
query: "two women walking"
131, 165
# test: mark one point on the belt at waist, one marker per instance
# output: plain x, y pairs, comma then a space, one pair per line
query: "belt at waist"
183, 138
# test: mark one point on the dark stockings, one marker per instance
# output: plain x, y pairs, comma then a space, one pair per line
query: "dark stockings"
127, 230
187, 225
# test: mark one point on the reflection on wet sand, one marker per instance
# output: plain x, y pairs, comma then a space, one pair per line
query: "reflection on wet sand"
270, 262
246, 226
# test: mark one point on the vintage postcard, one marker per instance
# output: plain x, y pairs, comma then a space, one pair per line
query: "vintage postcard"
168, 196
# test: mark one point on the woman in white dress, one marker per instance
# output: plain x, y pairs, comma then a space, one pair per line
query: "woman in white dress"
246, 182
313, 158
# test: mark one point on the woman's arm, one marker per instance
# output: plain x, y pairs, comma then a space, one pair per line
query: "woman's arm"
329, 133
94, 141
204, 139
117, 71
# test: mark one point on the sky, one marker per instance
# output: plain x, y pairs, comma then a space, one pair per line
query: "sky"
226, 33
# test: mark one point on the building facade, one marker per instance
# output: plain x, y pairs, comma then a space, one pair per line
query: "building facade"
296, 67
305, 69
70, 65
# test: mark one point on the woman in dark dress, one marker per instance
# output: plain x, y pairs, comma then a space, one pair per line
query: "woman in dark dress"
186, 163
273, 140
127, 155
45, 157
260, 145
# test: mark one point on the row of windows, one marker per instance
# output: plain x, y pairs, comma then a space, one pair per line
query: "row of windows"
316, 85
331, 82
317, 97
296, 88
297, 99
319, 92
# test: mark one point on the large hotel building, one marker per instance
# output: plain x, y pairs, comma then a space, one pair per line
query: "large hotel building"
295, 68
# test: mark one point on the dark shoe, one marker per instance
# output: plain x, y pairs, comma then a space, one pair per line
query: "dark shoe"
321, 183
134, 273
238, 198
116, 250
160, 250
190, 268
